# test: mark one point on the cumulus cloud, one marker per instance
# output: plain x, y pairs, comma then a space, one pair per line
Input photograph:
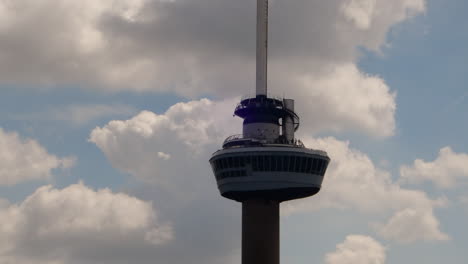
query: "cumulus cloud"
360, 102
412, 224
357, 249
165, 44
444, 171
79, 225
143, 145
25, 160
187, 48
353, 181
78, 114
169, 153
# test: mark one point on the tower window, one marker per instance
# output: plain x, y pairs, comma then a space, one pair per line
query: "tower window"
309, 165
291, 163
303, 164
254, 163
315, 166
267, 163
285, 163
279, 164
319, 167
274, 163
261, 164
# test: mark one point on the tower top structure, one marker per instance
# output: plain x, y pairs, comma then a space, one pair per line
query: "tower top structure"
266, 165
267, 161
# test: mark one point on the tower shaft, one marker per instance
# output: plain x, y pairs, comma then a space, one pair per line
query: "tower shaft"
262, 46
260, 232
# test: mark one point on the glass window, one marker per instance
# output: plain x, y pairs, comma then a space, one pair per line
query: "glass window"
267, 163
254, 163
315, 166
291, 163
309, 165
274, 163
279, 165
285, 163
243, 173
230, 163
303, 164
242, 162
324, 167
320, 166
297, 166
247, 160
236, 162
261, 165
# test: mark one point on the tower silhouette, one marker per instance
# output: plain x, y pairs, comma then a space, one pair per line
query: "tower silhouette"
266, 165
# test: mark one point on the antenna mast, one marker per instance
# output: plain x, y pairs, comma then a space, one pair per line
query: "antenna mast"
262, 46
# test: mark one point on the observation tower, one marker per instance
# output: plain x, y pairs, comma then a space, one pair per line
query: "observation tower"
266, 165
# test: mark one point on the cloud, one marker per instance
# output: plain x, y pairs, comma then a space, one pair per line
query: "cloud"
168, 153
206, 47
78, 114
79, 225
359, 102
411, 225
352, 181
153, 147
357, 249
444, 171
165, 45
25, 160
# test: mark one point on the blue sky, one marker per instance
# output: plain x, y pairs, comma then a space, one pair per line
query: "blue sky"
150, 55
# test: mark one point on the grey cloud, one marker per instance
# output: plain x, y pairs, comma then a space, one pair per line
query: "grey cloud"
195, 47
24, 159
80, 225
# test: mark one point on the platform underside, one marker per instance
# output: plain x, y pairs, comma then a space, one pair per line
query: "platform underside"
272, 195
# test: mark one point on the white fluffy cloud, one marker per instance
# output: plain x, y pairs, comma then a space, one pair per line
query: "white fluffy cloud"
444, 171
359, 102
186, 48
77, 114
164, 45
25, 160
352, 181
412, 224
79, 225
166, 148
169, 153
357, 249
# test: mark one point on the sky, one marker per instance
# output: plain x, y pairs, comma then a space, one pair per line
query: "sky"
110, 110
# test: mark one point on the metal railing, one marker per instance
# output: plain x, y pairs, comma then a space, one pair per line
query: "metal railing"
280, 140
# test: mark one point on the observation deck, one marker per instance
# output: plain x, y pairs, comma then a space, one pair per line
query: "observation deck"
266, 161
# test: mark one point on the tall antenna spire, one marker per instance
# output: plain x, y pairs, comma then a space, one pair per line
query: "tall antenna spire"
262, 46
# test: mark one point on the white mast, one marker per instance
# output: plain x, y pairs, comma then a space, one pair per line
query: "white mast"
262, 46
